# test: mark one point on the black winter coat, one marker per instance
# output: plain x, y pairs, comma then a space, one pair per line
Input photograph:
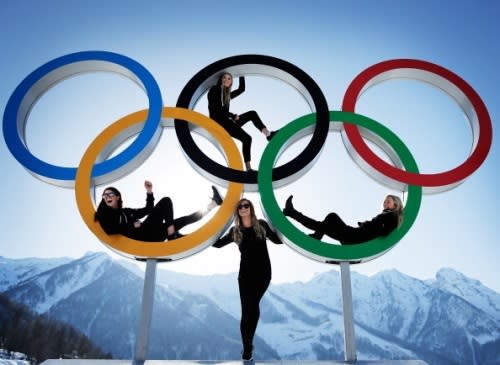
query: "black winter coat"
121, 221
255, 262
217, 110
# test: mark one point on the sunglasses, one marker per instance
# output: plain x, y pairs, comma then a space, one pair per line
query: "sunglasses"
108, 195
244, 206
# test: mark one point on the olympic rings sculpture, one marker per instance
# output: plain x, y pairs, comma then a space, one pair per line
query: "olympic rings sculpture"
96, 167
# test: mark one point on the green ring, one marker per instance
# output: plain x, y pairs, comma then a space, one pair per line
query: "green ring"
316, 249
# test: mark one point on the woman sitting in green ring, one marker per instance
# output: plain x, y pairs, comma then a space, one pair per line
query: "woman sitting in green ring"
334, 227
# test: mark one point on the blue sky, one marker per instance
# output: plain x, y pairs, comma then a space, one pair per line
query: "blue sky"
332, 41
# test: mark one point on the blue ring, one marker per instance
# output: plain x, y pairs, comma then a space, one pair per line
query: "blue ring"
18, 148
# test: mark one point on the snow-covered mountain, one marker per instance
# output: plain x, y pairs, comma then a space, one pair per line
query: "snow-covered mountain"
396, 316
13, 271
101, 298
448, 320
470, 290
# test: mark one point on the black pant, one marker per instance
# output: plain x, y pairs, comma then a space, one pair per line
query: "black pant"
332, 226
251, 292
154, 227
234, 128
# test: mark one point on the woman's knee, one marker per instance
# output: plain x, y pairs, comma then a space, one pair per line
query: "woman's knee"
332, 217
252, 114
245, 138
165, 202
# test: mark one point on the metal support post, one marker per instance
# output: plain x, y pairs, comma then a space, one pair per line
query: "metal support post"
349, 339
142, 340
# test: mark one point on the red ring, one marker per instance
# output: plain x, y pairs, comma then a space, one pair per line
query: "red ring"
459, 173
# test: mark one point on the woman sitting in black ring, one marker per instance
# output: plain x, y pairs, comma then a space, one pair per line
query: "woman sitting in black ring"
219, 98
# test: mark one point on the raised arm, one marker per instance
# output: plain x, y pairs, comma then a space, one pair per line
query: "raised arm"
240, 89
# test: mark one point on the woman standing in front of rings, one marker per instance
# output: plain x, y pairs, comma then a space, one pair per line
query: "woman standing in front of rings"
219, 98
250, 235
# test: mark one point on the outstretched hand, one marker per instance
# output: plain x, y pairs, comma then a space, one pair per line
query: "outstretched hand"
149, 186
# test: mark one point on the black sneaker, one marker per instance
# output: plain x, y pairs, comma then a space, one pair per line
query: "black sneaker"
216, 196
316, 235
175, 236
271, 135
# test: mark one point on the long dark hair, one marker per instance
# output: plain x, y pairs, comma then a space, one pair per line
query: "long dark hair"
238, 223
103, 207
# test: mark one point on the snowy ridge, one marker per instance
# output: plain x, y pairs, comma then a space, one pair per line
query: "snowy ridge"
395, 314
43, 290
450, 320
13, 271
471, 290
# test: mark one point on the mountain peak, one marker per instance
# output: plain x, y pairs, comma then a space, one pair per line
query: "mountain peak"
450, 275
394, 276
471, 290
95, 254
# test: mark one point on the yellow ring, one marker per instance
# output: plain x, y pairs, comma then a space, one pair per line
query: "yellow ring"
172, 250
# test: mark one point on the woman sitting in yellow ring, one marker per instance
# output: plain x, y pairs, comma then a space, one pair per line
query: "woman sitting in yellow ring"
159, 224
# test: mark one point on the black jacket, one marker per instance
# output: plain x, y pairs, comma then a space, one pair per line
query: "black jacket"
255, 260
121, 221
217, 110
380, 225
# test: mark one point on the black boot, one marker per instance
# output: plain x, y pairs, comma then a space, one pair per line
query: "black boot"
246, 354
307, 222
216, 196
289, 210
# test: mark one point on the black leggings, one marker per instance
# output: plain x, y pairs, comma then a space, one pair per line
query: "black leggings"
332, 226
251, 292
154, 228
234, 128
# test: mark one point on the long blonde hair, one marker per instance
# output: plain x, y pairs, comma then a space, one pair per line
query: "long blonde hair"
260, 232
225, 92
398, 208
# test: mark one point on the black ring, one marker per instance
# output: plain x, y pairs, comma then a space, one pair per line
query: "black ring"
262, 65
